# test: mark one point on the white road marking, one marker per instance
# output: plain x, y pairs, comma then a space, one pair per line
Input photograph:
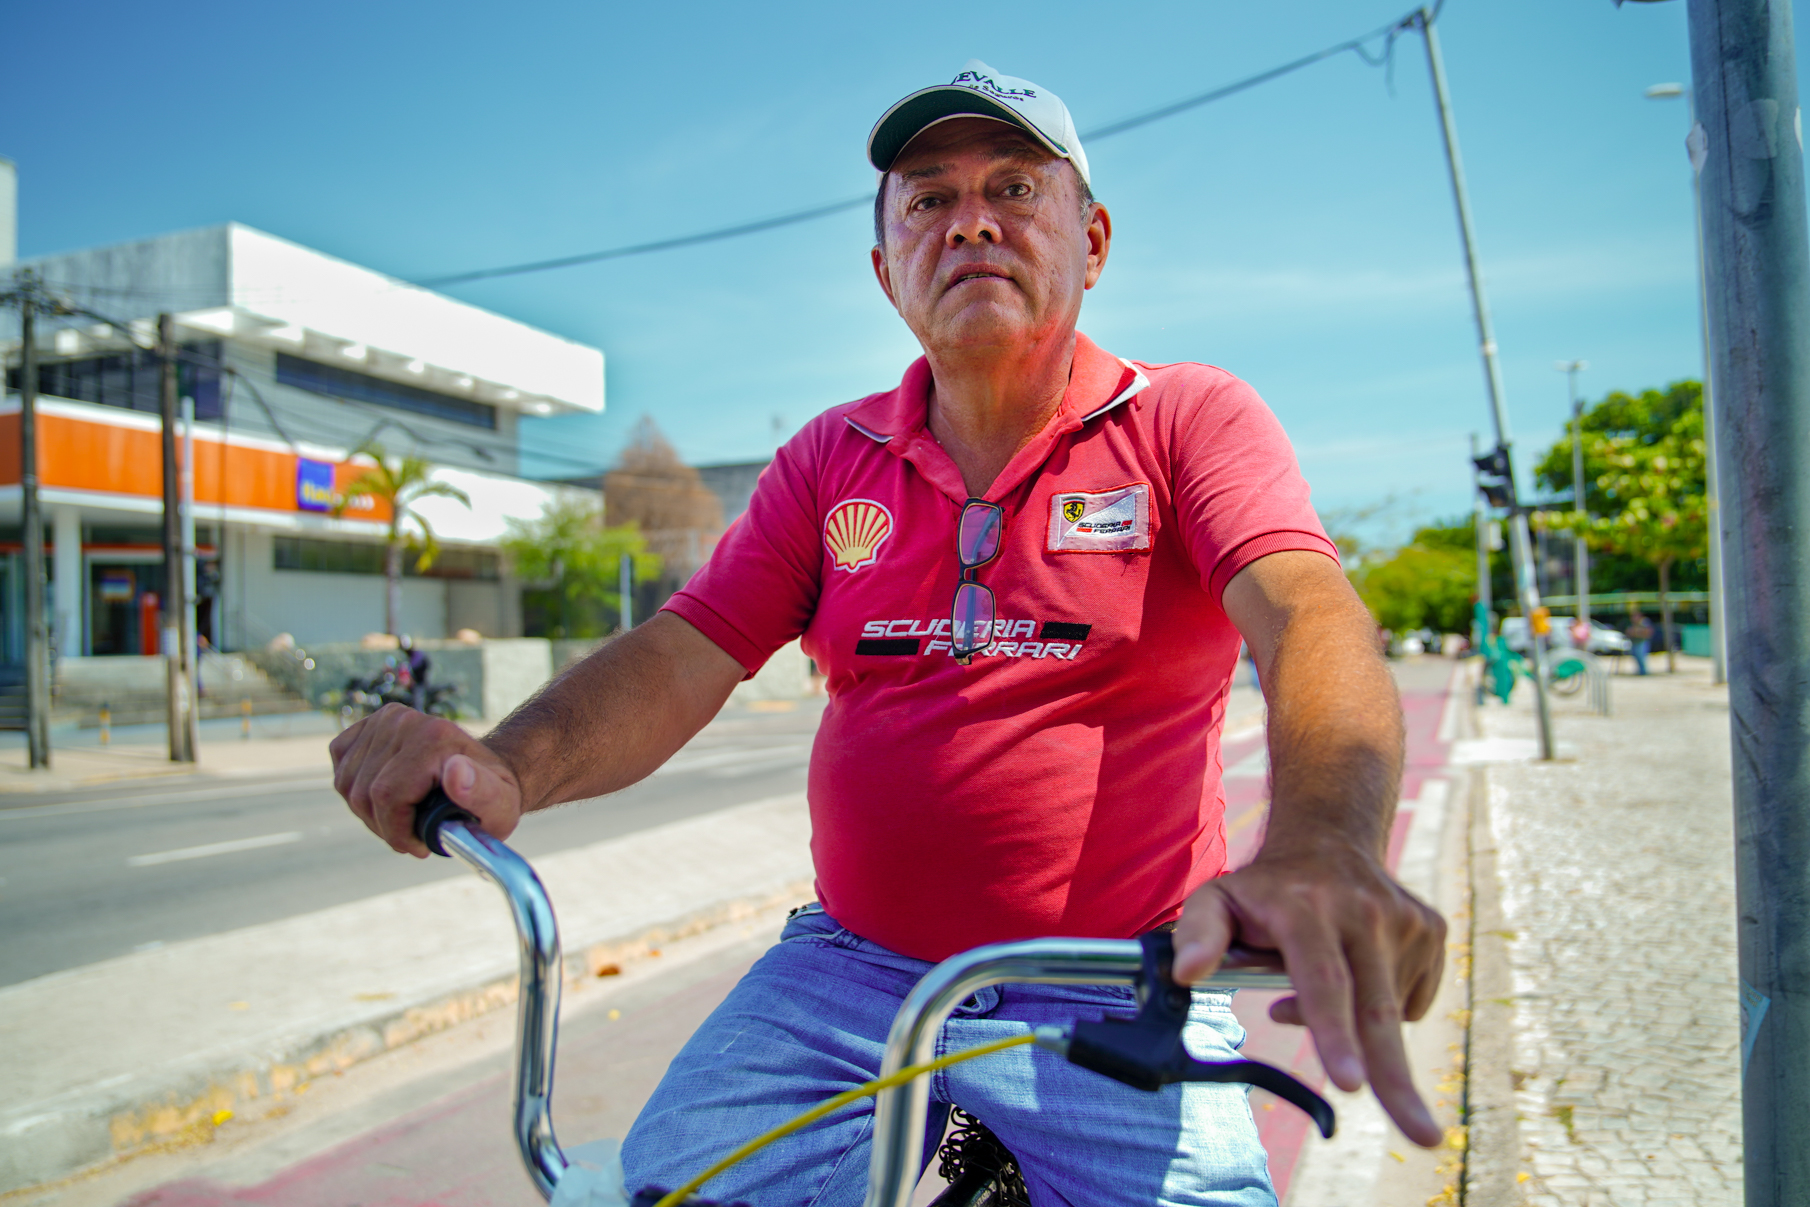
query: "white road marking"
275, 787
216, 848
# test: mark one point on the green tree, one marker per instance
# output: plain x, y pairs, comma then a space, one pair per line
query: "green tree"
1428, 583
569, 548
401, 483
1645, 466
1645, 418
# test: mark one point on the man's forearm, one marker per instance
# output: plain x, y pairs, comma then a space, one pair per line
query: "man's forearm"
614, 717
1335, 729
1362, 952
1335, 725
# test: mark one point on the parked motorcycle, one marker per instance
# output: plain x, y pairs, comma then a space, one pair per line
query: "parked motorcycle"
392, 684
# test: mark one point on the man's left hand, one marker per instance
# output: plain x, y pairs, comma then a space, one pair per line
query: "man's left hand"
1364, 955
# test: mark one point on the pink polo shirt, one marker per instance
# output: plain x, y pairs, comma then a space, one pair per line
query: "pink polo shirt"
1067, 781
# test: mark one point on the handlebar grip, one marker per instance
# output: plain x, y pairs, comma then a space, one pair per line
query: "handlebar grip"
433, 811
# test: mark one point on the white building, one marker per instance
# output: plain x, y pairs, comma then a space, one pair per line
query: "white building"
316, 356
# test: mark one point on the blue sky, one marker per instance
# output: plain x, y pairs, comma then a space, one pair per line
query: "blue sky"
1300, 234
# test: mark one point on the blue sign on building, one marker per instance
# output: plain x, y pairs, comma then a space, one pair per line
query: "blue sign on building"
313, 485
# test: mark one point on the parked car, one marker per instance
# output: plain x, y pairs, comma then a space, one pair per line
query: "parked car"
1603, 639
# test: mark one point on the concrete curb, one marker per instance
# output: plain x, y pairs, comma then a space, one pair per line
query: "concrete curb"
157, 1102
183, 1105
1493, 1160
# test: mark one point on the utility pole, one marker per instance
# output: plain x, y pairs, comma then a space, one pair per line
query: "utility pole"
625, 574
1480, 518
179, 683
1483, 611
1757, 278
1696, 146
189, 601
1580, 575
1521, 542
37, 643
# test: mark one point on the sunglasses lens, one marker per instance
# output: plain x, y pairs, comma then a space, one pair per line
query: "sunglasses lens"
971, 620
977, 538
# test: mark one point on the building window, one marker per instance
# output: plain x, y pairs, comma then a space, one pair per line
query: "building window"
132, 380
358, 557
362, 387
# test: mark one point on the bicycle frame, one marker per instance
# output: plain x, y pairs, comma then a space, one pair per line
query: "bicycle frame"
899, 1114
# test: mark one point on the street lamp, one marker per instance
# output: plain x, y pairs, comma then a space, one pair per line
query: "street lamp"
1581, 573
1696, 144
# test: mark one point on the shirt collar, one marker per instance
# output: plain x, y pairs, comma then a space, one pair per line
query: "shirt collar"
1097, 382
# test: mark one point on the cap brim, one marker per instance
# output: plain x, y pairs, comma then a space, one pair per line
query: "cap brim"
917, 112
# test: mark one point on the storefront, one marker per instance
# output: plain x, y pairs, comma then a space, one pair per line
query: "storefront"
283, 542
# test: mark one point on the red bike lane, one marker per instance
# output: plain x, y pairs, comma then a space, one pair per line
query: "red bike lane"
457, 1152
1284, 1130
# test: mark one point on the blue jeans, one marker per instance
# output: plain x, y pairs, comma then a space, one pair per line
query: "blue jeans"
810, 1020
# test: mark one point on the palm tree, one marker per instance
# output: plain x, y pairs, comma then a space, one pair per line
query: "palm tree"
400, 484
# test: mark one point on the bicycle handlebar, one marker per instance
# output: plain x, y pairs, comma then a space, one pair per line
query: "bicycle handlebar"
899, 1113
448, 829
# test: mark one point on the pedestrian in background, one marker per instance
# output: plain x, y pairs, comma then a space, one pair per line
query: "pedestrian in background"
1640, 632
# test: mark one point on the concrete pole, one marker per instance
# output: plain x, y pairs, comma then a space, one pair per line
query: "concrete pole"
626, 587
1580, 574
1480, 519
1757, 282
1481, 613
67, 581
1696, 145
1718, 649
191, 649
37, 638
178, 687
1492, 374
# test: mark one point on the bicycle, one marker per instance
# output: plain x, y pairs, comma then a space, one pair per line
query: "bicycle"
1145, 1052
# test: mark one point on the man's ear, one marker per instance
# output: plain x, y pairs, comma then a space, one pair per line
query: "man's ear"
1099, 243
883, 274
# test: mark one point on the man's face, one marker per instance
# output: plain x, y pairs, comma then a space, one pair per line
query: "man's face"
987, 241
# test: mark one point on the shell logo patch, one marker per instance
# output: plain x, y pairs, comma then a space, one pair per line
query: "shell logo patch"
854, 531
1107, 521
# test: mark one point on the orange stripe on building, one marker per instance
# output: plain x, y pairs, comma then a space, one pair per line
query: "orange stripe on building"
77, 454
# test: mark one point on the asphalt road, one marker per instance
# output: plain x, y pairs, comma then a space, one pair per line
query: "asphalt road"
86, 877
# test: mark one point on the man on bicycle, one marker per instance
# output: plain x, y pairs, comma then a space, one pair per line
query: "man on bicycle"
1026, 571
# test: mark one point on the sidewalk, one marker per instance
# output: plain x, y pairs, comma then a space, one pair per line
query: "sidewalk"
1606, 1046
277, 743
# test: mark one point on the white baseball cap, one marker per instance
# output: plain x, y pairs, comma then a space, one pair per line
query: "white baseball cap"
979, 91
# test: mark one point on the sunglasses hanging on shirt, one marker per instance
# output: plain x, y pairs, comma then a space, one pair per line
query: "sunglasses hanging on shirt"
978, 536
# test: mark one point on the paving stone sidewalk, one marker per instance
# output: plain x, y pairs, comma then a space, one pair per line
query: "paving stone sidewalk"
1616, 869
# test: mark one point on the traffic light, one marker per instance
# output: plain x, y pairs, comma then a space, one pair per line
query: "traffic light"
1493, 464
1495, 478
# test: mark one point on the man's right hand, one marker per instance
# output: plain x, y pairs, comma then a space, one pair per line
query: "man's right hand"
387, 762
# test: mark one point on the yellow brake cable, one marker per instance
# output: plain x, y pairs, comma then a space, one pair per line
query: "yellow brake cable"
817, 1112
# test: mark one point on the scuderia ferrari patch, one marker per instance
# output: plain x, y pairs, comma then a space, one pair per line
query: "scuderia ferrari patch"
1109, 521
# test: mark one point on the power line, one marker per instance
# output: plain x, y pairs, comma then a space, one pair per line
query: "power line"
1356, 45
614, 253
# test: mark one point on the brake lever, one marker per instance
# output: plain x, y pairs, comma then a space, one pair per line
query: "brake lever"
1146, 1052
